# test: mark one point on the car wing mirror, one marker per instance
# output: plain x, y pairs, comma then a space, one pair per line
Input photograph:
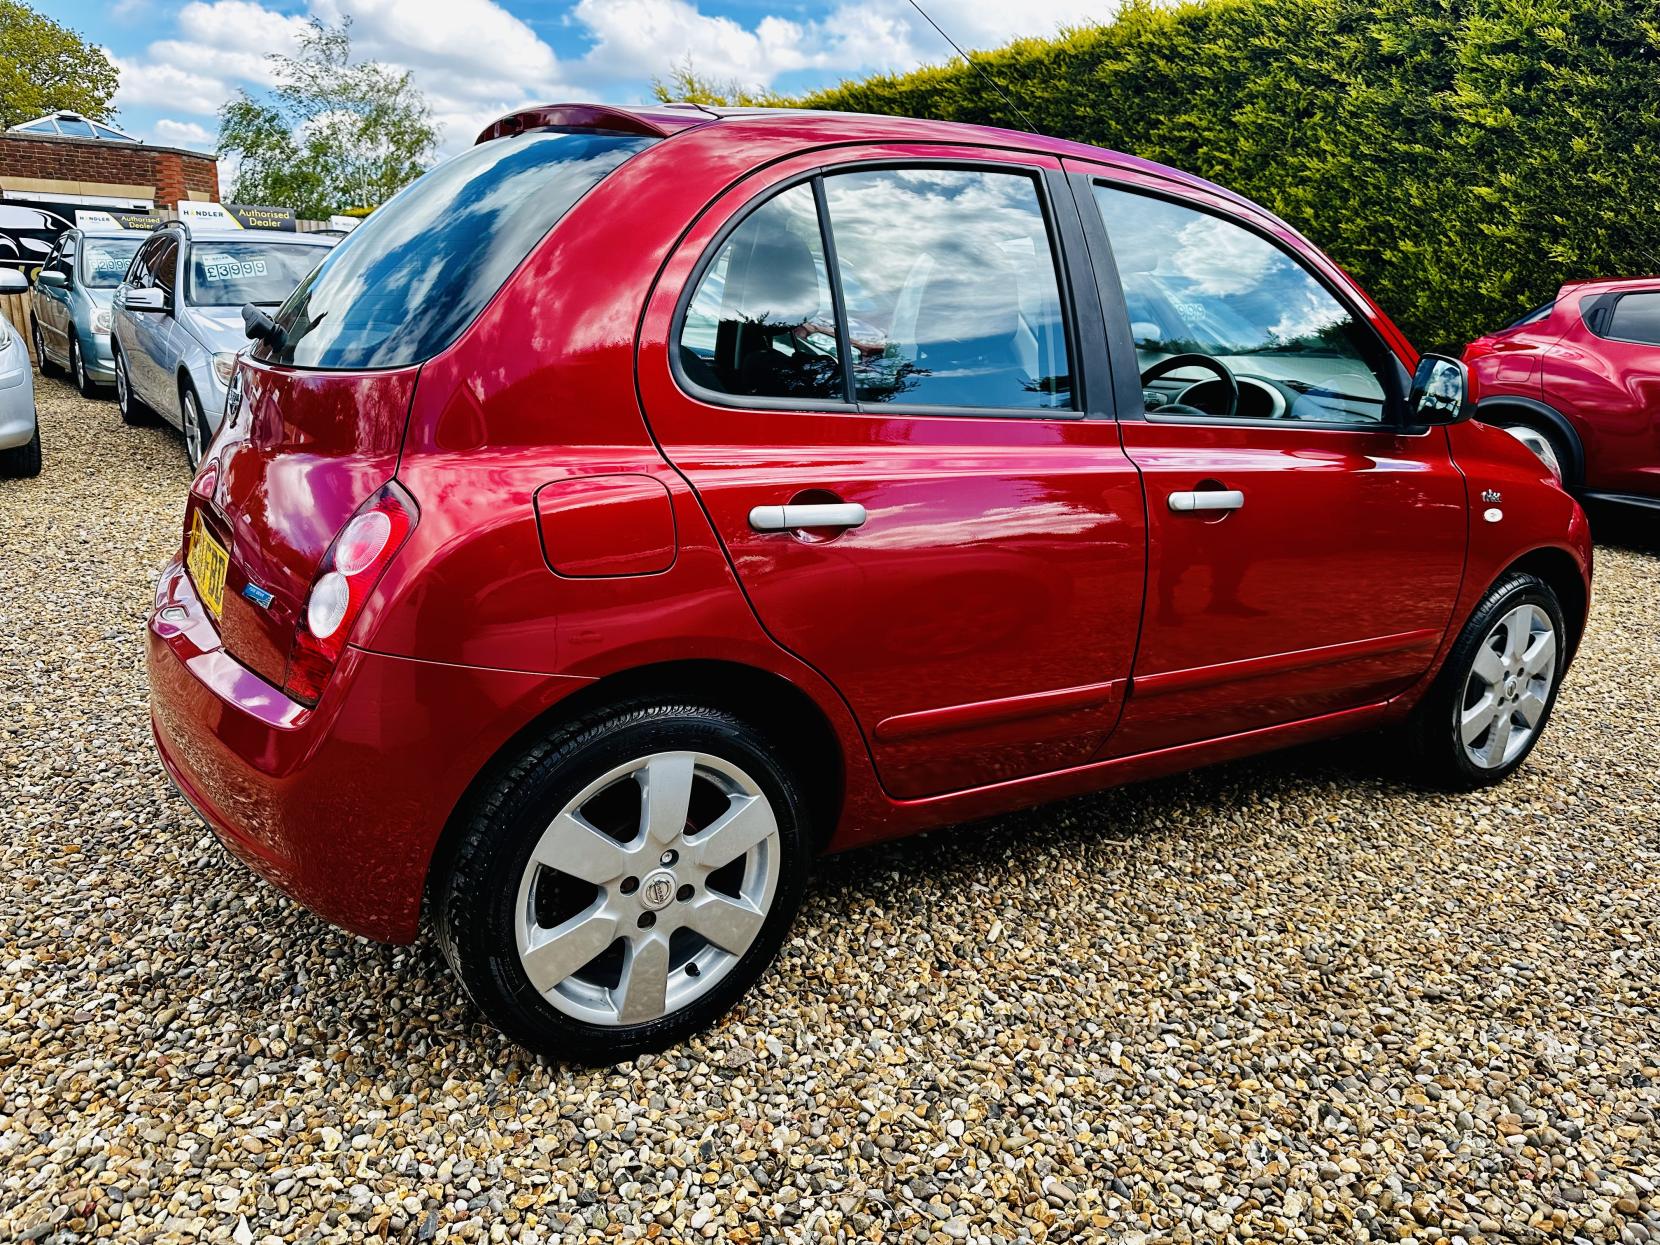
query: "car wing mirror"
51, 277
13, 282
145, 298
259, 326
1440, 392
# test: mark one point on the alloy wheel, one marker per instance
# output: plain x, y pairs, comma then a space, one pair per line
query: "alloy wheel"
1509, 687
77, 367
192, 419
40, 348
123, 395
647, 888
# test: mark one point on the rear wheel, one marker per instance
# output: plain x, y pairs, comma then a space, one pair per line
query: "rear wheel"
624, 883
1545, 443
133, 410
1492, 700
22, 462
47, 367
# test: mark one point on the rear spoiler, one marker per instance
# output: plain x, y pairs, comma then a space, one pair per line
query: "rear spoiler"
659, 122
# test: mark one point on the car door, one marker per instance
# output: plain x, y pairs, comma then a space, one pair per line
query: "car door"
151, 368
1605, 374
1304, 548
868, 373
51, 303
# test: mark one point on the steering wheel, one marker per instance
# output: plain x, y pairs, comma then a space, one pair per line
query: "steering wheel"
1177, 362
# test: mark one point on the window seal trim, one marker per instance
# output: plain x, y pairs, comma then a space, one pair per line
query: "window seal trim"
846, 406
1609, 303
1394, 422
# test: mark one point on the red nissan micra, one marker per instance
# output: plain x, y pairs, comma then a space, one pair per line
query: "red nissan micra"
649, 500
1578, 381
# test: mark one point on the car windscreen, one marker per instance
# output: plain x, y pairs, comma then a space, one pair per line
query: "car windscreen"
403, 285
104, 260
228, 274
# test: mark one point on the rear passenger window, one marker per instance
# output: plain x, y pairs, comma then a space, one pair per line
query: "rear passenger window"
762, 323
1636, 318
950, 288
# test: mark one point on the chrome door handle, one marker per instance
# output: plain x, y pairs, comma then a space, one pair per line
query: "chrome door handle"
790, 518
1208, 499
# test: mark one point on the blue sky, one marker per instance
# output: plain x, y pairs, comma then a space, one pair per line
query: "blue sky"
475, 59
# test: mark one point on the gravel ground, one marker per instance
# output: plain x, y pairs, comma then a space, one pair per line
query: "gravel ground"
1293, 997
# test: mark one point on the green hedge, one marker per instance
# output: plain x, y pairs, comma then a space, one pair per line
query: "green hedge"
1461, 160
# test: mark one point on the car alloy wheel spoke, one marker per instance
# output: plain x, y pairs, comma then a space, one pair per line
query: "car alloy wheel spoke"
568, 946
747, 822
1498, 739
729, 924
1478, 718
573, 846
1540, 656
665, 797
642, 990
1489, 666
1531, 707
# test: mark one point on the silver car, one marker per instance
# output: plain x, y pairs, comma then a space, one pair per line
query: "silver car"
19, 429
73, 291
177, 318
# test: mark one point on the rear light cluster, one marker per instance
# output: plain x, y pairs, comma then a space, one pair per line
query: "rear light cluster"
353, 565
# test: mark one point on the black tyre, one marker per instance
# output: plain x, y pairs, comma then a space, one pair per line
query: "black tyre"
23, 461
1490, 703
624, 882
46, 366
132, 408
77, 370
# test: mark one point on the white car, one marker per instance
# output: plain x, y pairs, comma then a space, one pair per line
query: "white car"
19, 429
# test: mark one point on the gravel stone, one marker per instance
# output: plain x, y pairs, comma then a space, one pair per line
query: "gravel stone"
1291, 998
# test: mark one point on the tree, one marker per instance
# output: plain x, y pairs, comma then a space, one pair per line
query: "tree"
45, 67
685, 85
1461, 159
332, 135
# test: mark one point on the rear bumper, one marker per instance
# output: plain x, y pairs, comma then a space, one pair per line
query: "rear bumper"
340, 806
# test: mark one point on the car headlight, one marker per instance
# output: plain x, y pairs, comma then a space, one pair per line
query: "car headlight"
224, 366
100, 321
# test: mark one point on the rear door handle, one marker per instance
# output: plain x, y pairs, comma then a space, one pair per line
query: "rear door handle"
1208, 499
792, 518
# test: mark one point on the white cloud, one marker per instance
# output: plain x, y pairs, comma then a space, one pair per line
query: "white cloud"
474, 60
182, 134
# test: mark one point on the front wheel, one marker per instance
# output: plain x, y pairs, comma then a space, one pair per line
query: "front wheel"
626, 881
196, 432
77, 370
1491, 702
22, 462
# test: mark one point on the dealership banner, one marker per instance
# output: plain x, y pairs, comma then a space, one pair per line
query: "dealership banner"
263, 216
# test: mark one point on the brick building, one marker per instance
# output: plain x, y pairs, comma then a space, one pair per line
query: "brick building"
63, 161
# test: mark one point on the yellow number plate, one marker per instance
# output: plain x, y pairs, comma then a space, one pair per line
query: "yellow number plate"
206, 562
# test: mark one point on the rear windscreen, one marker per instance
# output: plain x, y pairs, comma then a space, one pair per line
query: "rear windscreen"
405, 283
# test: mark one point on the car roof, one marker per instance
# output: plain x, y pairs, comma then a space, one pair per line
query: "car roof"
1606, 285
667, 120
252, 235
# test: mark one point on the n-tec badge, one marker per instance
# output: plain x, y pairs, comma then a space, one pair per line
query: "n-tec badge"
257, 595
1492, 496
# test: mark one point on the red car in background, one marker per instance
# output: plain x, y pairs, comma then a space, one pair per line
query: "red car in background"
646, 501
1579, 381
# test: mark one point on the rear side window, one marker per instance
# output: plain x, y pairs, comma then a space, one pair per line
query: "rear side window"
1636, 318
947, 286
761, 323
403, 285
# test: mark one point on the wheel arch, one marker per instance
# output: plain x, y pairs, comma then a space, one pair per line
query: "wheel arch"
1559, 569
1544, 418
769, 701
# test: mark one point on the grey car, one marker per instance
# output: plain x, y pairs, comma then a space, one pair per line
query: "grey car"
19, 428
73, 291
177, 318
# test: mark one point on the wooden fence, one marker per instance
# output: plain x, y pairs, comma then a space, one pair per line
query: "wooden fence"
18, 308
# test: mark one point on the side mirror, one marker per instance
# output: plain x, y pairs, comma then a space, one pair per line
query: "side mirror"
1440, 392
260, 327
52, 277
145, 298
13, 282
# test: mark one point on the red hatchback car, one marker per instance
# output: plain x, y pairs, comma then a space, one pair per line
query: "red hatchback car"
1578, 380
646, 501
